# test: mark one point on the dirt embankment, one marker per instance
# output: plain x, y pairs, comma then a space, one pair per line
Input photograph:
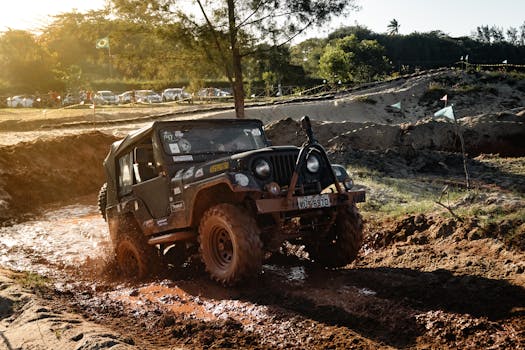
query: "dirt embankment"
40, 172
500, 133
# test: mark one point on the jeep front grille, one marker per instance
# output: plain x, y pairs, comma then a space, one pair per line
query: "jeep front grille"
283, 166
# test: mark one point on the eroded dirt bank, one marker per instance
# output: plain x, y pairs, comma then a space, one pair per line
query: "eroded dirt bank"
46, 171
499, 133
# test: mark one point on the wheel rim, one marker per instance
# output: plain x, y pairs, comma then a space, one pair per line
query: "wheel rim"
221, 247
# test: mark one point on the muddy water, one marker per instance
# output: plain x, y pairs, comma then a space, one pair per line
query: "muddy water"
60, 238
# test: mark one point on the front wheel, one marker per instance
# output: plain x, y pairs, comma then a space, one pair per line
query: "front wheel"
230, 243
341, 245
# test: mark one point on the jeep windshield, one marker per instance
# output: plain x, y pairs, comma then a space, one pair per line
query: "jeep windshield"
219, 139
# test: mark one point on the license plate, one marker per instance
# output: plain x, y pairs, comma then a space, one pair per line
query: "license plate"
316, 201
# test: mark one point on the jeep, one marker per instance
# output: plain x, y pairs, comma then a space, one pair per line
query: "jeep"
219, 185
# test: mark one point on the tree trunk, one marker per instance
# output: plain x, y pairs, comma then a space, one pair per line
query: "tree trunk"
238, 85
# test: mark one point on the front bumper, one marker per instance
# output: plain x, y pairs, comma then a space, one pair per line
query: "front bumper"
282, 204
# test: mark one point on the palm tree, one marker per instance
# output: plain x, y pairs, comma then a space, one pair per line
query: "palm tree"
393, 27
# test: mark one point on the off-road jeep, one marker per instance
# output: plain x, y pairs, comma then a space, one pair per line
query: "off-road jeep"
221, 186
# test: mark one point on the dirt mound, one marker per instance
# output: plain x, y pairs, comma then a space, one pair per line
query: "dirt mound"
500, 133
39, 172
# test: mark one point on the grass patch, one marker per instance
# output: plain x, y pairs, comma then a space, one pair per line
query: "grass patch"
366, 99
32, 281
397, 197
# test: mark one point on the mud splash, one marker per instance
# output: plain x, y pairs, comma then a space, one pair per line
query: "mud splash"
60, 239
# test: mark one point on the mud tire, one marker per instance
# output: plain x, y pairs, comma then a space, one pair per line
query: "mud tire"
103, 200
136, 259
341, 245
230, 244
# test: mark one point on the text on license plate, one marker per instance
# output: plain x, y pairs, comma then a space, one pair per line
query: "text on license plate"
316, 201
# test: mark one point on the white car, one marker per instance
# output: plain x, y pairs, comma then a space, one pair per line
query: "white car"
20, 101
175, 94
147, 96
213, 92
106, 97
126, 97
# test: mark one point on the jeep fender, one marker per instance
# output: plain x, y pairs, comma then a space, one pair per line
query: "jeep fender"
216, 191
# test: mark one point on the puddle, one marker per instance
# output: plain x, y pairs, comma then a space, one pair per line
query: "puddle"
296, 275
64, 237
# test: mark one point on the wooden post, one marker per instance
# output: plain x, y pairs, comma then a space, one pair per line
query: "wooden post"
467, 177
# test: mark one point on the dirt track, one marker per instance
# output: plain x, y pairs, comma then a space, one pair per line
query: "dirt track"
421, 280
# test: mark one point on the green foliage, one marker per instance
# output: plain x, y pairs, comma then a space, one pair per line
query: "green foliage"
32, 280
269, 78
24, 64
351, 59
334, 64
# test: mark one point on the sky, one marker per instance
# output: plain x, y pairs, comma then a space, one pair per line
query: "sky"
453, 17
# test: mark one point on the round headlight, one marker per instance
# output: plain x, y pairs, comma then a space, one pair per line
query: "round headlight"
262, 168
348, 183
242, 179
312, 163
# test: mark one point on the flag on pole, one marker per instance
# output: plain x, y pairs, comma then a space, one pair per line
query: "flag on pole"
444, 98
396, 105
103, 43
447, 112
504, 62
466, 58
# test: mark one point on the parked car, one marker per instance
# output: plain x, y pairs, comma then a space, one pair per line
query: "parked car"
126, 97
70, 99
106, 97
147, 96
175, 94
213, 92
20, 101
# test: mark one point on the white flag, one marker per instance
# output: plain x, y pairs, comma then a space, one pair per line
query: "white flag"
444, 98
447, 112
396, 105
504, 62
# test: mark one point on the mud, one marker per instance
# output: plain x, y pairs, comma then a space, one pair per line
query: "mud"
500, 133
46, 171
440, 291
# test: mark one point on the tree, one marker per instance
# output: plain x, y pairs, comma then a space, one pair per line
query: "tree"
24, 63
307, 54
512, 36
334, 64
351, 59
497, 34
522, 34
243, 23
393, 27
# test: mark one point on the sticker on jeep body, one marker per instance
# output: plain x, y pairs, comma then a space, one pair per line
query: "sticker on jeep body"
219, 167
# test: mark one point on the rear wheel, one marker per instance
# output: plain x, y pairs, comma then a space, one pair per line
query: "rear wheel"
341, 245
135, 257
103, 200
230, 245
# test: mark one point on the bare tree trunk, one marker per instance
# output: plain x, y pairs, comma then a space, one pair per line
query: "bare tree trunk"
238, 85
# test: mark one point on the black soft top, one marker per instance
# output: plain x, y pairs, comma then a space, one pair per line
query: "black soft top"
120, 147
